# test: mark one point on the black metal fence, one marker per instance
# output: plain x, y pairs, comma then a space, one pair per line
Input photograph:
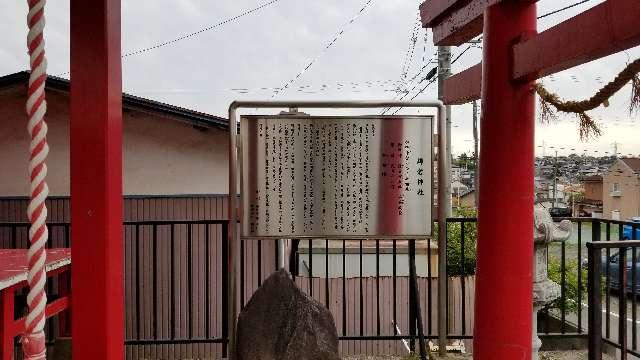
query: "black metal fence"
176, 285
615, 277
176, 292
372, 288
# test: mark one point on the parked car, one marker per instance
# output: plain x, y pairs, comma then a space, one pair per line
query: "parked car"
631, 232
614, 271
560, 212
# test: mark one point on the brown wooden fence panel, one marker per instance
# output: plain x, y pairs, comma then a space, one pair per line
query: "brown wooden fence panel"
136, 208
161, 304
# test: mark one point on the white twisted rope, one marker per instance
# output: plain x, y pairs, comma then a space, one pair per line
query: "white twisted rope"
33, 342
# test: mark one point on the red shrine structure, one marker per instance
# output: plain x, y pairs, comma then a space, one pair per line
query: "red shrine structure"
515, 55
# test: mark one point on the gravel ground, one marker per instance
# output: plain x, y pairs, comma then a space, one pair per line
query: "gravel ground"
545, 355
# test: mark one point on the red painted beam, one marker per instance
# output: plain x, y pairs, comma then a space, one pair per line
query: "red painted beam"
53, 308
603, 30
462, 24
463, 86
430, 10
96, 180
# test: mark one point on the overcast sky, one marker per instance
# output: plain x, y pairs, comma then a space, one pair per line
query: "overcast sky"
248, 57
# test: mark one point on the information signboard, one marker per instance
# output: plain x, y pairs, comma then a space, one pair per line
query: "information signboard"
336, 177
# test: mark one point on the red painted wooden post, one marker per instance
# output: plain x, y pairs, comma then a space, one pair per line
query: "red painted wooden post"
64, 289
505, 227
96, 180
6, 323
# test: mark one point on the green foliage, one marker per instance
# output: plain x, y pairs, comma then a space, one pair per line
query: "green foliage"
571, 301
465, 160
457, 264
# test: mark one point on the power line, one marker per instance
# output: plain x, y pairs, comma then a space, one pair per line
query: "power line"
429, 75
408, 58
480, 39
345, 86
183, 37
562, 9
326, 48
433, 78
425, 87
424, 45
405, 69
342, 85
208, 28
462, 53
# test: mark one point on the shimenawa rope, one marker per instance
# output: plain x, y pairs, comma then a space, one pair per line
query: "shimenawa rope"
33, 341
588, 127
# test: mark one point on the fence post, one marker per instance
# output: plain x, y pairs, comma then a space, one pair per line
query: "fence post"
622, 302
415, 299
595, 230
595, 302
412, 305
225, 289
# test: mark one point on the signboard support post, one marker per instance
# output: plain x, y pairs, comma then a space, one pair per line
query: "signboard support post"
236, 212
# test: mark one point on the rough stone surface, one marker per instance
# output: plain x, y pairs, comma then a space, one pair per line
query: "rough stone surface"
280, 322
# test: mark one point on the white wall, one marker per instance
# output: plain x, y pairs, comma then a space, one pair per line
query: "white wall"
162, 156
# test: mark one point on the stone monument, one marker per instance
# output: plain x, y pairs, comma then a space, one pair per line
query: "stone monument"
281, 322
545, 231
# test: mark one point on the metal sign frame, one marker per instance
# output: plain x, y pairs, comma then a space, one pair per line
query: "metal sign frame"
234, 211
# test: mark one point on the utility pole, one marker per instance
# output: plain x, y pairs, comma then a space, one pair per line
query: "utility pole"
444, 71
476, 173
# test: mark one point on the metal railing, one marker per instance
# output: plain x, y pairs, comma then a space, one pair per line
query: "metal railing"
191, 241
367, 286
166, 300
618, 270
175, 278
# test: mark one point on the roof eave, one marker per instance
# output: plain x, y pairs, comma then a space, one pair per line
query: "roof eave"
132, 102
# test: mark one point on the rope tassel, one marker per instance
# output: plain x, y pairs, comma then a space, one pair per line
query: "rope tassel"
635, 94
550, 102
33, 341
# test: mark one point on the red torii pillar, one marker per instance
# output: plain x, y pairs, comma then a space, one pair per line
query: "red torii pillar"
503, 308
96, 181
514, 55
503, 294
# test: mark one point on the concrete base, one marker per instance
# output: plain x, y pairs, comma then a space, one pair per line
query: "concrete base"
537, 343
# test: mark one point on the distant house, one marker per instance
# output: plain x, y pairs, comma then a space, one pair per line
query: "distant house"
591, 203
621, 189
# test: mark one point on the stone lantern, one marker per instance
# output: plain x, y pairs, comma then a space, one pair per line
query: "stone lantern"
545, 231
